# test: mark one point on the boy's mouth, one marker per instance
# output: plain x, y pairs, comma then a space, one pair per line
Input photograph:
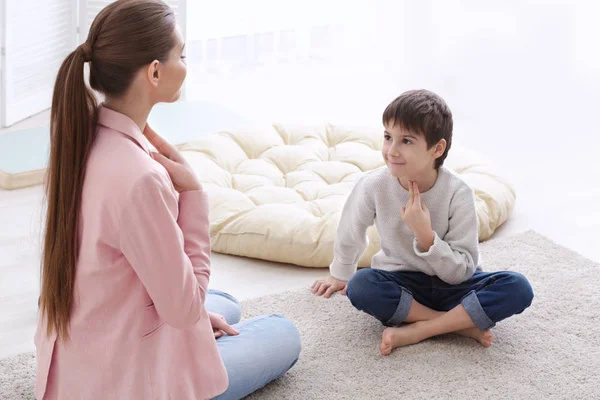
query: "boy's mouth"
396, 163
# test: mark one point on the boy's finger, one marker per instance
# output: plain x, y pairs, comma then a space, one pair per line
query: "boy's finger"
329, 292
416, 192
316, 283
317, 286
343, 292
410, 194
322, 289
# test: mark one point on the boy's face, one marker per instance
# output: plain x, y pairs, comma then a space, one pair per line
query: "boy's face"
406, 153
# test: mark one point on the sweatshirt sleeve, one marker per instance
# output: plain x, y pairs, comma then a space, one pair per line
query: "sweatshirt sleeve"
455, 257
167, 243
351, 241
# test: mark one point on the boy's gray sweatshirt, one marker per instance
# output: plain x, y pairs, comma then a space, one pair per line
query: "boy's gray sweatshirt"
378, 197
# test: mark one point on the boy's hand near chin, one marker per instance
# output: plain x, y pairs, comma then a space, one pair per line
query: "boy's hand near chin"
417, 217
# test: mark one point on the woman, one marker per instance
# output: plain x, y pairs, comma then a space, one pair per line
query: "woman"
125, 311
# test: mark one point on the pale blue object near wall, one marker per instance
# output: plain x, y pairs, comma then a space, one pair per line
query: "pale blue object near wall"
24, 150
183, 121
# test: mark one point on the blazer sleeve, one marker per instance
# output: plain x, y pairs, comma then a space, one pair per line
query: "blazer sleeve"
167, 243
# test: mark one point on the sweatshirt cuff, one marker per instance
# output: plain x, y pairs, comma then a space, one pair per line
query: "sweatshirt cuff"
435, 252
342, 272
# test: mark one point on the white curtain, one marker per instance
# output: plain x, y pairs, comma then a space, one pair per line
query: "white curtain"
35, 36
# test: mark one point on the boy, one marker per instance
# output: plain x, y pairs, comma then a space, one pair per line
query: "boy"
427, 273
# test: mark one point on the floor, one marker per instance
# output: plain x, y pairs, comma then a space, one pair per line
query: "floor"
548, 159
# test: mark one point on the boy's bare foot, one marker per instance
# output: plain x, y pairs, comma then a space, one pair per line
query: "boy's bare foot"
399, 336
485, 338
411, 334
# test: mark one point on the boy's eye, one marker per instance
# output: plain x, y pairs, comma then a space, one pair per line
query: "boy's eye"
387, 137
406, 141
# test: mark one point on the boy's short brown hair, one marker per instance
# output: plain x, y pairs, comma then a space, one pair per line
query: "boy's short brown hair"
424, 113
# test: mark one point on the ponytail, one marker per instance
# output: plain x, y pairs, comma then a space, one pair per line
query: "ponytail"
72, 131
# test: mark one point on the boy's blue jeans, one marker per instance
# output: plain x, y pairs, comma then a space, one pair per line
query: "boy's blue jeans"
488, 297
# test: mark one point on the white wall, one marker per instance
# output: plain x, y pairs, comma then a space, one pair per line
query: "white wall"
488, 59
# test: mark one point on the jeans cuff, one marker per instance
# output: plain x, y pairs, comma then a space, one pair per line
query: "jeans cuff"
473, 307
403, 308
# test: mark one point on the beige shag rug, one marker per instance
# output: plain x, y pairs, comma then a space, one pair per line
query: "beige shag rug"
551, 351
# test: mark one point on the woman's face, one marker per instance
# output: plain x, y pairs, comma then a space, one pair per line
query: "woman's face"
171, 73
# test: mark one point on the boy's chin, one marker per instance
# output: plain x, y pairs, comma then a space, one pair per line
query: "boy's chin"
396, 173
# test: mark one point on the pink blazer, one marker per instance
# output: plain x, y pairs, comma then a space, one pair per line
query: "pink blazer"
139, 328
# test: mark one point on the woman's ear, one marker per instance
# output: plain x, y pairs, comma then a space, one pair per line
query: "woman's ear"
153, 73
440, 147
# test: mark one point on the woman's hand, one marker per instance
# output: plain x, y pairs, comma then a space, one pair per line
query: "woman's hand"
220, 326
182, 175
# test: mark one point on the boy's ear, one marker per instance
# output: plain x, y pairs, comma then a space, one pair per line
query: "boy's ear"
440, 147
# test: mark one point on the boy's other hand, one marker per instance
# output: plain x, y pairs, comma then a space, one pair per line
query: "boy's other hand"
327, 287
416, 216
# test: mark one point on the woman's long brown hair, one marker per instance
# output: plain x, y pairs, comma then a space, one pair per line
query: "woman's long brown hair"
125, 36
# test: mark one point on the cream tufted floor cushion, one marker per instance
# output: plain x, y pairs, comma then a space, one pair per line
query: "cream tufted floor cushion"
276, 192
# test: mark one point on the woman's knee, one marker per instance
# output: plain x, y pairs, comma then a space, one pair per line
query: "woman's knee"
292, 335
269, 343
288, 339
224, 304
274, 325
